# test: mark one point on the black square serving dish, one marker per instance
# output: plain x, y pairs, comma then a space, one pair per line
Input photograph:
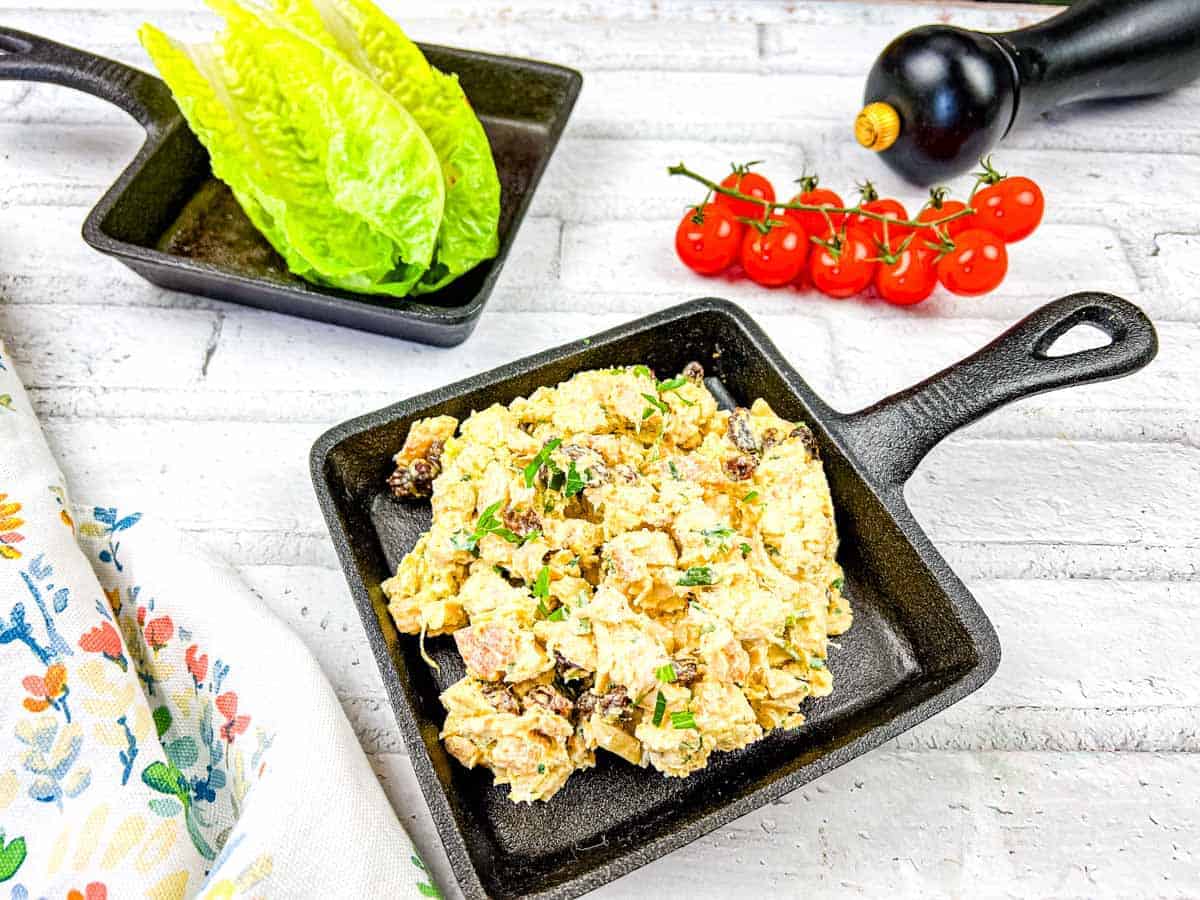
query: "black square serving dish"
919, 641
170, 221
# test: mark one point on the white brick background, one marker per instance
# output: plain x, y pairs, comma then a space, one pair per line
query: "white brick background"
1074, 773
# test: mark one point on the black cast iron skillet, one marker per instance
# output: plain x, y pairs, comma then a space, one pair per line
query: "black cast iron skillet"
919, 641
170, 221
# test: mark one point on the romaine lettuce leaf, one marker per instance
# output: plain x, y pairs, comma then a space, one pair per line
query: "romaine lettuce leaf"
377, 46
331, 168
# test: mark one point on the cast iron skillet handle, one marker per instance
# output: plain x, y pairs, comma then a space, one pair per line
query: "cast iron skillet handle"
27, 57
1105, 48
892, 436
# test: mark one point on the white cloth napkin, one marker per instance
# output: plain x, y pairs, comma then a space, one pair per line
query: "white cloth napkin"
162, 733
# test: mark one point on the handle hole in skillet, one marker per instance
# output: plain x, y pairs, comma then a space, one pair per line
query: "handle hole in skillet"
1080, 337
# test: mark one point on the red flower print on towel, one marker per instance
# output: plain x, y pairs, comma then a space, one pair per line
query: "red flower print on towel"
158, 632
197, 664
141, 616
94, 891
227, 705
48, 690
104, 639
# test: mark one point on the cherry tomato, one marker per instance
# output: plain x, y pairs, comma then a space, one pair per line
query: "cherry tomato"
815, 223
910, 279
933, 214
976, 265
750, 183
1010, 208
711, 245
777, 257
850, 271
892, 209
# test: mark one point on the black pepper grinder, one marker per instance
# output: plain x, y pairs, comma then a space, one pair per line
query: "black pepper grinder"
939, 98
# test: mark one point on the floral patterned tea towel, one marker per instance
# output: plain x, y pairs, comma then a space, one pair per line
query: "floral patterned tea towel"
162, 733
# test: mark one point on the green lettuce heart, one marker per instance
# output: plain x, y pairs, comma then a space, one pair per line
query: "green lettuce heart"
375, 44
332, 169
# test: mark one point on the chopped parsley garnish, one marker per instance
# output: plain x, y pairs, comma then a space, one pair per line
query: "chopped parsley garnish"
837, 583
671, 384
745, 548
674, 471
660, 707
683, 719
750, 497
655, 404
541, 586
717, 533
574, 483
541, 768
487, 524
674, 384
542, 458
558, 615
642, 371
665, 674
697, 575
815, 662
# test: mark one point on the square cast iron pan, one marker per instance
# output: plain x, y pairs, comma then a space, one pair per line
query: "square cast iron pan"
170, 221
919, 641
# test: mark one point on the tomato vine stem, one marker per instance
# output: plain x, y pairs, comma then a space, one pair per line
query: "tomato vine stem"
770, 205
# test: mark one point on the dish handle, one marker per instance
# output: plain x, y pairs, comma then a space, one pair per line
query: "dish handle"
891, 437
28, 57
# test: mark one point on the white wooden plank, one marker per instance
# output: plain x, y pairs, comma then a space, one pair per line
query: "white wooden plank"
1057, 260
902, 824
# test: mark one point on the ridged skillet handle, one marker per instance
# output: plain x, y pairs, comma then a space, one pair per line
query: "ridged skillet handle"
893, 436
27, 57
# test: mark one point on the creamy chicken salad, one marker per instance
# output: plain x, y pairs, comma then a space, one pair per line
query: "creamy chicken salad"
623, 566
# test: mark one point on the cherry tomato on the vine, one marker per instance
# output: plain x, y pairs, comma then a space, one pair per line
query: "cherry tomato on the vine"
816, 223
948, 208
708, 246
892, 209
976, 265
849, 271
910, 279
750, 183
777, 257
1011, 208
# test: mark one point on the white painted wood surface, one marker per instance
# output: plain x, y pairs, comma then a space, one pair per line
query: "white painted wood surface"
1073, 516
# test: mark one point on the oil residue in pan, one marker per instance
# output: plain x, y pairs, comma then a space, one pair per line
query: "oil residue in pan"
212, 228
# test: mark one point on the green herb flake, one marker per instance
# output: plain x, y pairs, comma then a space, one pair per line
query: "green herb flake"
671, 384
642, 371
542, 458
655, 404
750, 497
717, 533
541, 768
660, 707
674, 470
665, 674
696, 576
574, 483
745, 548
683, 720
558, 615
541, 586
837, 583
815, 662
